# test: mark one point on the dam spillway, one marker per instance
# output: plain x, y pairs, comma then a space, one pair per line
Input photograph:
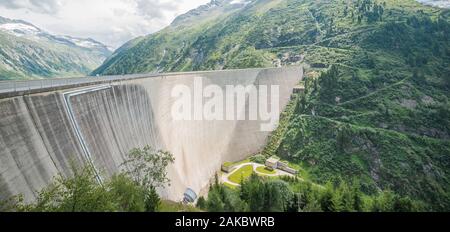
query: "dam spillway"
44, 130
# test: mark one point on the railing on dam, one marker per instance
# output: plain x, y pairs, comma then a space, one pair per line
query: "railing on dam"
29, 85
22, 87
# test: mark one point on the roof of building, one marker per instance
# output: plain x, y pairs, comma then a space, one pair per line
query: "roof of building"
273, 160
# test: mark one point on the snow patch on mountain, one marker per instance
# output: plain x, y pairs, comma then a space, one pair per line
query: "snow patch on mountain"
20, 29
244, 2
84, 43
437, 3
26, 30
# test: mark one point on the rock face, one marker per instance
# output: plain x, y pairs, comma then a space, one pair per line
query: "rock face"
38, 139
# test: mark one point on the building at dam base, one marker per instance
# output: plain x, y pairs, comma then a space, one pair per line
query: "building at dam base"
43, 133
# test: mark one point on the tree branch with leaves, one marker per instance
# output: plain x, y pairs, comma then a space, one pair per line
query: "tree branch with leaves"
148, 166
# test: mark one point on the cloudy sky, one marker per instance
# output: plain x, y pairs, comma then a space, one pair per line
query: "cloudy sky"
112, 22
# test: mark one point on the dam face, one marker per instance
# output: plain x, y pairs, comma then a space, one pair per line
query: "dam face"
43, 133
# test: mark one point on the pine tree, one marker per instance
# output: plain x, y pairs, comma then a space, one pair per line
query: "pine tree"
215, 204
336, 202
294, 203
358, 204
201, 203
326, 200
346, 197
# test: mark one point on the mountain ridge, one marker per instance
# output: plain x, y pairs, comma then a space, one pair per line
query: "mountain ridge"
28, 52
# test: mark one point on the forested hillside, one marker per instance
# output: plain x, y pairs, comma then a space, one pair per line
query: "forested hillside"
380, 113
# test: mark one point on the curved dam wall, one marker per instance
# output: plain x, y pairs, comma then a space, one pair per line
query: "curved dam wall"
42, 134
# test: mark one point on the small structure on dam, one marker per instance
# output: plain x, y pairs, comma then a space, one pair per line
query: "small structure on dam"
44, 130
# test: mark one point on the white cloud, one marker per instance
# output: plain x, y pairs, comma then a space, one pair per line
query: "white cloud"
40, 6
112, 22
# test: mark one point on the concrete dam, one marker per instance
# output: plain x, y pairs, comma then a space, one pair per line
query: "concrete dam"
43, 130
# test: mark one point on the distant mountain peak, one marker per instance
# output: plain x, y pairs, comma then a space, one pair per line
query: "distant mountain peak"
214, 5
86, 43
19, 29
25, 29
29, 52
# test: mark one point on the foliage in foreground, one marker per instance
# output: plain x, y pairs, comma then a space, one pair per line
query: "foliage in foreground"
133, 191
148, 166
258, 194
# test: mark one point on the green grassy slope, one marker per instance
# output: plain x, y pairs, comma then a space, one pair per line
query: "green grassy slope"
377, 103
216, 41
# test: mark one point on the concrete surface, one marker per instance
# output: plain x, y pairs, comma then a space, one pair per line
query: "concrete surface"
39, 140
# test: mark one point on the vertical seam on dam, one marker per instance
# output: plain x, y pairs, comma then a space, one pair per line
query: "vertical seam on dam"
76, 126
34, 120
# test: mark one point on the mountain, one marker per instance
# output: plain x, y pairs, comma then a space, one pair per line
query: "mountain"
173, 48
27, 52
377, 104
438, 3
